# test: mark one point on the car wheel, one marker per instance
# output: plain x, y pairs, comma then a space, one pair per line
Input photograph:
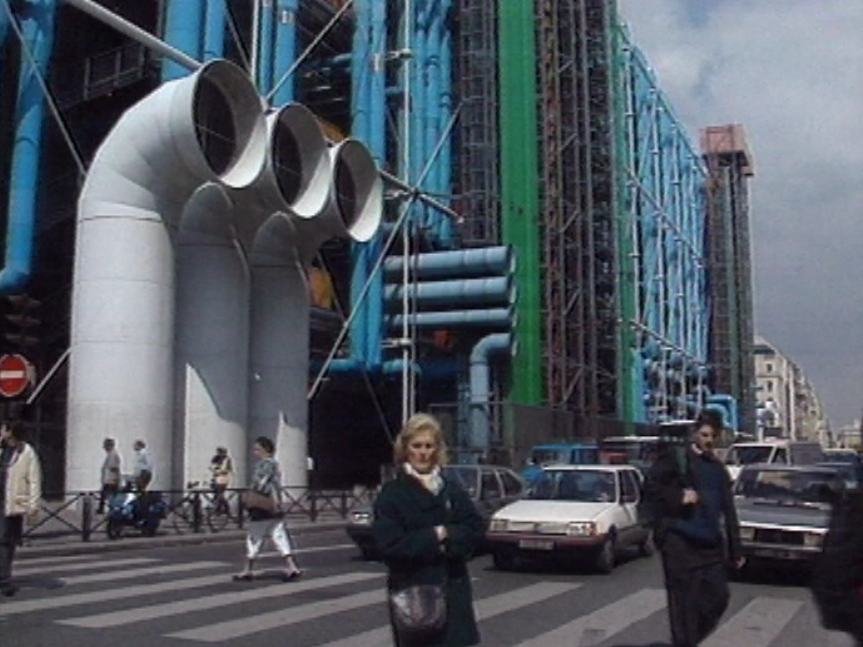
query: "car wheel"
605, 558
503, 561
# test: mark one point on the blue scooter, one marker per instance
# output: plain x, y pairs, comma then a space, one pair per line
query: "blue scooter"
142, 511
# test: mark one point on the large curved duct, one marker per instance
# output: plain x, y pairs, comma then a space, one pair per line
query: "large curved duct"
308, 195
211, 341
205, 127
279, 347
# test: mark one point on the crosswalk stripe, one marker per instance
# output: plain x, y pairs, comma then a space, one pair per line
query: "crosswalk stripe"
487, 608
756, 625
595, 627
103, 566
64, 559
75, 599
133, 573
164, 610
222, 631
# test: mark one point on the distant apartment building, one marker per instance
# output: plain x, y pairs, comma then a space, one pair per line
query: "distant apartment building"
787, 405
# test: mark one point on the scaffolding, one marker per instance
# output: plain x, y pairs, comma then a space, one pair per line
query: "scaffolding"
730, 165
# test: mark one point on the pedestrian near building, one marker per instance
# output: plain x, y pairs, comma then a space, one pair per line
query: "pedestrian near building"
21, 494
110, 476
263, 500
426, 529
221, 475
690, 491
142, 470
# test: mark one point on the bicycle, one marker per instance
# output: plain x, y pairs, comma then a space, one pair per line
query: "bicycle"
202, 505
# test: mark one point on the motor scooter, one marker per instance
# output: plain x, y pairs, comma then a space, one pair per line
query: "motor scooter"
141, 511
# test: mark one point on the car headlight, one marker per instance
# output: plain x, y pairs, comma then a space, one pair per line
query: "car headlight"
497, 525
581, 529
747, 533
361, 518
813, 539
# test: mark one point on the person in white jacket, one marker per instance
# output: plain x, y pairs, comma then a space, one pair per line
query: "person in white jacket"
21, 494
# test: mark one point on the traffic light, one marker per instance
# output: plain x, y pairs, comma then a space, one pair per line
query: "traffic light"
20, 321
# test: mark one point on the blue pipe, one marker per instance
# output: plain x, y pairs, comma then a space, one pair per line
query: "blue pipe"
286, 48
37, 26
418, 107
360, 90
214, 30
728, 404
432, 126
479, 434
443, 180
377, 147
184, 23
465, 263
447, 294
266, 46
489, 318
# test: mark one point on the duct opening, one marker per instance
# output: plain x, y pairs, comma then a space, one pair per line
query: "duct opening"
287, 164
214, 126
358, 189
300, 161
228, 122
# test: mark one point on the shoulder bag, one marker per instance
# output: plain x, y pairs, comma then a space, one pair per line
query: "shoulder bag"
254, 500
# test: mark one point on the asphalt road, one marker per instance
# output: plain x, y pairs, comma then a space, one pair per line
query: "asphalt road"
184, 595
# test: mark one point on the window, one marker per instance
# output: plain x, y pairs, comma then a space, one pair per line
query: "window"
630, 487
781, 456
490, 486
770, 385
768, 367
511, 485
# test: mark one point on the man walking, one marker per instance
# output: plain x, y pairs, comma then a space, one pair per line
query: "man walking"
111, 467
691, 491
142, 471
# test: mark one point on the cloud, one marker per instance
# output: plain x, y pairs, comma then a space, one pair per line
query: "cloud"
791, 71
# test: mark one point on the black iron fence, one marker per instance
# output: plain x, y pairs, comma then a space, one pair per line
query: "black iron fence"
177, 512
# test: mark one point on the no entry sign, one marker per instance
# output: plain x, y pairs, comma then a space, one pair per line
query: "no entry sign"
16, 373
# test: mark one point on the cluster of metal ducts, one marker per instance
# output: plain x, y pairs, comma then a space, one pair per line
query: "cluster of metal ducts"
190, 310
473, 293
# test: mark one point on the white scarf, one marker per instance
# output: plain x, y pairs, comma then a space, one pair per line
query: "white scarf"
433, 481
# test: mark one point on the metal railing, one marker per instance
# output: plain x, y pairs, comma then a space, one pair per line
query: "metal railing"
193, 510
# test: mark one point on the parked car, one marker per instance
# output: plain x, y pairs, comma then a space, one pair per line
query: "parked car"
572, 510
638, 451
784, 510
489, 486
558, 454
781, 452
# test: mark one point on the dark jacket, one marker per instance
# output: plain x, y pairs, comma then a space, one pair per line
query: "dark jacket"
668, 477
405, 514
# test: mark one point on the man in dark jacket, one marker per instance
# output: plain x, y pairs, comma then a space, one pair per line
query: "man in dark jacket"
691, 493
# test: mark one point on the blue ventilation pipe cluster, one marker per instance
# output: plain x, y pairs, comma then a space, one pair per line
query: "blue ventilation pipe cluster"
37, 26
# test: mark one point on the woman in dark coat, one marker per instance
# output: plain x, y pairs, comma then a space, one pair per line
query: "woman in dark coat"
427, 528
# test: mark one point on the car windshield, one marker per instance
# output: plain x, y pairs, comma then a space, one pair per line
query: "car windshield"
575, 485
743, 455
549, 456
467, 477
786, 486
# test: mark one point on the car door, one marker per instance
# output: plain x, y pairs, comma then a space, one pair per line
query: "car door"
513, 487
490, 493
629, 530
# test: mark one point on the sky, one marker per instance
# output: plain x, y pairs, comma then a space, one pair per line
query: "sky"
791, 72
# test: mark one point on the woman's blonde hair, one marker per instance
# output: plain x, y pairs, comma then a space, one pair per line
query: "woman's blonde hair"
417, 424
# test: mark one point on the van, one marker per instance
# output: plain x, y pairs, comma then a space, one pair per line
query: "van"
558, 454
782, 452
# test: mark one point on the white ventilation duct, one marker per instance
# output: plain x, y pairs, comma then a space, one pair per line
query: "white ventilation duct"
206, 127
211, 341
307, 207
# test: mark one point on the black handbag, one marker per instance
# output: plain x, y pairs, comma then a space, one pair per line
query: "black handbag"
254, 500
419, 611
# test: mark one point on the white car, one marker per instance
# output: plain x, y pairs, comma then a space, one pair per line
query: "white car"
578, 510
